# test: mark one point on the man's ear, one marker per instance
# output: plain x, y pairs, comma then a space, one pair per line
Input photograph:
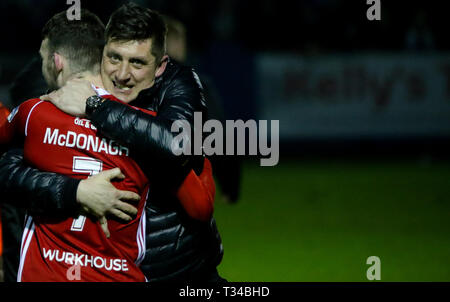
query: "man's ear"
162, 66
59, 62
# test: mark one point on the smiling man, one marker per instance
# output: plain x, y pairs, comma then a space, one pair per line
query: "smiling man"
117, 56
132, 59
128, 67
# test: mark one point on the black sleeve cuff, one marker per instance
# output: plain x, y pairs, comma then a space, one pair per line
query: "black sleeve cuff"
70, 195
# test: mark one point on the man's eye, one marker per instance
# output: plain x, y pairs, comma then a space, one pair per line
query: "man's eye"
137, 64
114, 59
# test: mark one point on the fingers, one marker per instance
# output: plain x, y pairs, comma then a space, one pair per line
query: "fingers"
122, 209
48, 97
104, 225
112, 174
45, 97
121, 215
126, 208
78, 79
128, 195
54, 96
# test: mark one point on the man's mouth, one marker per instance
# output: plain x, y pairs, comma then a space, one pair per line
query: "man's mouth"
122, 88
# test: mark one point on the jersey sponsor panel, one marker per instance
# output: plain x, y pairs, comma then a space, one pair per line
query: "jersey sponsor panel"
86, 260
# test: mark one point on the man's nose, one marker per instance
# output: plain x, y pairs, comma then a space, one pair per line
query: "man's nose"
123, 73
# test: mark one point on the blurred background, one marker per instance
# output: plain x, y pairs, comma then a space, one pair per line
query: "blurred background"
364, 112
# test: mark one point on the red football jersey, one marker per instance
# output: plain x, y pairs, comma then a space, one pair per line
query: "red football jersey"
76, 249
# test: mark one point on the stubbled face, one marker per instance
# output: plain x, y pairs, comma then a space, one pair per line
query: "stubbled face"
48, 66
127, 68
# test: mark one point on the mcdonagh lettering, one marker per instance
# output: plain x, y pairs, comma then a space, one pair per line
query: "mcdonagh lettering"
84, 142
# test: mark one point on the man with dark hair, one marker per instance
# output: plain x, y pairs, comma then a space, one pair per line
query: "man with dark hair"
179, 248
130, 22
141, 33
83, 53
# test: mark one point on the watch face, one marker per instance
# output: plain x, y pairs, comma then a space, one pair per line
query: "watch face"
93, 100
92, 103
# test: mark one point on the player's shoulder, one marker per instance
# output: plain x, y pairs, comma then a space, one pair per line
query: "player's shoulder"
31, 103
24, 108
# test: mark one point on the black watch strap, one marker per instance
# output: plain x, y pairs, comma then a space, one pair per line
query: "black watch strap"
92, 103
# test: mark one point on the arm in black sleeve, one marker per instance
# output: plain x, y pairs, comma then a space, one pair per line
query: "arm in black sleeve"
150, 137
146, 135
39, 192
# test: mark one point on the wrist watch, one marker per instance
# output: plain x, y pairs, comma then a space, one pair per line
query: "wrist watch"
92, 103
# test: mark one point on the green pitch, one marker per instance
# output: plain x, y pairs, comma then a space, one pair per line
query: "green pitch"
320, 221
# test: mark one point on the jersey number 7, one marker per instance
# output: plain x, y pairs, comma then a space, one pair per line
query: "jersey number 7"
90, 166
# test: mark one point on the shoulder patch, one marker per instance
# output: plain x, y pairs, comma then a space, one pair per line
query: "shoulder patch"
12, 114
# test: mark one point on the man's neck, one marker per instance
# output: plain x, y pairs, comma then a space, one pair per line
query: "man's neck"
94, 78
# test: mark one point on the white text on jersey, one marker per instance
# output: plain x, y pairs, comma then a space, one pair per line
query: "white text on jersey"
86, 260
84, 142
84, 123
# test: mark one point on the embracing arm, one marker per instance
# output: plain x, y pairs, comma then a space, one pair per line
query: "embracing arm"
39, 192
54, 194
